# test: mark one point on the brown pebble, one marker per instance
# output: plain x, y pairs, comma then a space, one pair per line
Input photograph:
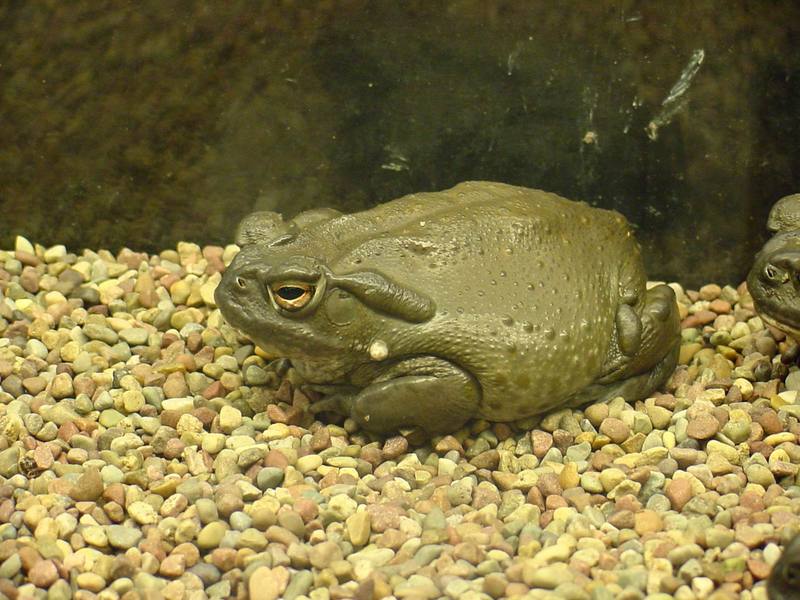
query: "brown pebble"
719, 306
702, 427
447, 444
206, 415
170, 418
489, 459
173, 565
384, 516
306, 508
29, 557
394, 447
276, 459
647, 521
549, 484
26, 258
175, 386
43, 574
541, 441
758, 568
320, 439
223, 558
43, 457
34, 385
769, 421
710, 291
6, 510
228, 503
615, 429
562, 439
553, 502
622, 519
173, 448
89, 486
679, 492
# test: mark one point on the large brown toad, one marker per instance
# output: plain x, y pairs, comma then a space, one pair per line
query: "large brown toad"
774, 280
484, 300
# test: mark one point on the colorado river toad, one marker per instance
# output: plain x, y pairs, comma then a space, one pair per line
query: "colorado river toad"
774, 280
784, 579
484, 300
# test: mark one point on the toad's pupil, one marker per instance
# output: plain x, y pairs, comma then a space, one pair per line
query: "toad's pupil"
291, 293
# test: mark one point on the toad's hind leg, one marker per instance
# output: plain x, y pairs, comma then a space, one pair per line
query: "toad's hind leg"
646, 350
424, 392
631, 388
660, 333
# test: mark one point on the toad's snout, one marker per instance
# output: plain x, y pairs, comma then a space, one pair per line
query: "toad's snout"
237, 283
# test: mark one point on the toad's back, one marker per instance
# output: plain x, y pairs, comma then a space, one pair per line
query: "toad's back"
526, 284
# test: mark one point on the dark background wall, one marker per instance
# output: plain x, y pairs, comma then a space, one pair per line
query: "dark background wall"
144, 123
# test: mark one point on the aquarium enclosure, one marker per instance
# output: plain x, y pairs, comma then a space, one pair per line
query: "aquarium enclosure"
400, 299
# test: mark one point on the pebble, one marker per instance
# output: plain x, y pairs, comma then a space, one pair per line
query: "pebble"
43, 574
615, 429
268, 583
230, 418
702, 427
358, 528
88, 487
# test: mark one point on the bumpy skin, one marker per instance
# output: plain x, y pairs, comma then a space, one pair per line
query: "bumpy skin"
774, 280
784, 579
483, 300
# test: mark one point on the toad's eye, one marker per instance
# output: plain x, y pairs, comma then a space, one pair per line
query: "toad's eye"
292, 296
775, 274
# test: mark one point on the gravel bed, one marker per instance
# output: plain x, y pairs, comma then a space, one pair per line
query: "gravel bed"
147, 450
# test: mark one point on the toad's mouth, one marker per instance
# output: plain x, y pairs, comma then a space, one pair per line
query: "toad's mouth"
786, 324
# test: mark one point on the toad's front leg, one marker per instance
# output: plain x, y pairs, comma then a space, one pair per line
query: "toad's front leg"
425, 392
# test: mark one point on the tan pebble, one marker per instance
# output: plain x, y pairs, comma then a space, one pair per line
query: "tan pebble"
359, 528
268, 584
569, 477
90, 581
647, 521
710, 291
61, 386
687, 352
780, 438
596, 413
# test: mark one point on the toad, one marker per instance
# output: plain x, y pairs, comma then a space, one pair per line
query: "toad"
485, 300
774, 280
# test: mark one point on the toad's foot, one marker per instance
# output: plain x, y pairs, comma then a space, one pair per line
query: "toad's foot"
642, 340
425, 393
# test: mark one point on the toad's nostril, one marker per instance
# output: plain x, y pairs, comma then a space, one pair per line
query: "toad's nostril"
241, 282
